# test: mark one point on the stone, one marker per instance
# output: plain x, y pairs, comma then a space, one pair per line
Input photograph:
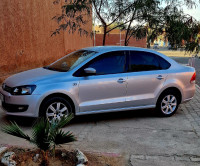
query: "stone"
63, 154
140, 157
80, 165
12, 163
182, 158
7, 159
195, 159
152, 157
82, 159
36, 157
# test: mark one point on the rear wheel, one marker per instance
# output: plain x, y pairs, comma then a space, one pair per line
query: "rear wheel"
55, 108
167, 103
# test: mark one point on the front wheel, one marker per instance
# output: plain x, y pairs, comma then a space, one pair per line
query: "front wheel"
55, 108
167, 103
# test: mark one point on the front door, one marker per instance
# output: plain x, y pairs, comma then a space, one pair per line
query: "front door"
105, 91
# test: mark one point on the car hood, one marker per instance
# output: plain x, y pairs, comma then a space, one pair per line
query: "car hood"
30, 77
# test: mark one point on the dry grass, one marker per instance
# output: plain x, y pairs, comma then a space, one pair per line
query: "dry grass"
176, 53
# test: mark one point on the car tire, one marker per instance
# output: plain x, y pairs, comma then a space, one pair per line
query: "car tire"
167, 103
55, 108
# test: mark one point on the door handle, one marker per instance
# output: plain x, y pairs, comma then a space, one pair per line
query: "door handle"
121, 80
160, 77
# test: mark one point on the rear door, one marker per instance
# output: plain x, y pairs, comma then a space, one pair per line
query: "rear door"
146, 74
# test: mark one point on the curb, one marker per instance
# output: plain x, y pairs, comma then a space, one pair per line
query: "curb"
3, 149
110, 154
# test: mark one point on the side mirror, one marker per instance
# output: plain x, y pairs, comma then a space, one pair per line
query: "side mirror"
90, 71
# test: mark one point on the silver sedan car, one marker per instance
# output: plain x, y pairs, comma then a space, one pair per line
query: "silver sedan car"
99, 80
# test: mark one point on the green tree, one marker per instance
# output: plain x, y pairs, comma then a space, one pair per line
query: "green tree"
193, 44
75, 14
141, 13
133, 16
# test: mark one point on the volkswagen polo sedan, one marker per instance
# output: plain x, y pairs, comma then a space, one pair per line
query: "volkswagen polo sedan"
99, 80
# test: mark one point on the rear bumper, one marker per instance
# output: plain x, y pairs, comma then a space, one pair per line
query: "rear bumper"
186, 100
188, 93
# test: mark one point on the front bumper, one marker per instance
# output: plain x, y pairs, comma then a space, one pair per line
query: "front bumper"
14, 107
24, 105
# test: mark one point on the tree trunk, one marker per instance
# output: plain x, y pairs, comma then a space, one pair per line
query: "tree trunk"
126, 40
45, 161
126, 37
104, 35
148, 44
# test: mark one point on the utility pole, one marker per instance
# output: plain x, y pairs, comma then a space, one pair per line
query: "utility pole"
94, 33
120, 37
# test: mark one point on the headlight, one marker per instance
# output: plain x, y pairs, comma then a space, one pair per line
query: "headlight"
23, 90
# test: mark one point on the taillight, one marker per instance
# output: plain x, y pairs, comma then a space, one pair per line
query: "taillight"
193, 78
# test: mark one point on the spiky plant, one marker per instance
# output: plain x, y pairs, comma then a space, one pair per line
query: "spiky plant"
45, 135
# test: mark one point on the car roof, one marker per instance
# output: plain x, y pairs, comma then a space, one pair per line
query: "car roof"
114, 48
104, 49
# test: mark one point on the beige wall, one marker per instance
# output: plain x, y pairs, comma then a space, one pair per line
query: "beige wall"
25, 35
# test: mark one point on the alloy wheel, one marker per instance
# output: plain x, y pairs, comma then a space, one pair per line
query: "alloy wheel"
169, 104
56, 111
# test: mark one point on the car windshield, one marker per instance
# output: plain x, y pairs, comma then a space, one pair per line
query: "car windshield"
70, 61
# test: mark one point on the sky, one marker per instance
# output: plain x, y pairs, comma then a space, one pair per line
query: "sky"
195, 12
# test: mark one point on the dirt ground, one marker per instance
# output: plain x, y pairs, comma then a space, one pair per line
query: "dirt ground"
25, 157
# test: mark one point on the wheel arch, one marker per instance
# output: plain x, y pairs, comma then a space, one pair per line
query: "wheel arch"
176, 90
65, 96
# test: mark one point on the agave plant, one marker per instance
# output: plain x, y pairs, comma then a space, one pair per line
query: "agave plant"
45, 135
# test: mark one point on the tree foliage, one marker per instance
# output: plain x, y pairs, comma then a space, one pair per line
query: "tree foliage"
138, 18
193, 44
75, 14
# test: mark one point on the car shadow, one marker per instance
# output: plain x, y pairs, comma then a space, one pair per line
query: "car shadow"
21, 121
114, 116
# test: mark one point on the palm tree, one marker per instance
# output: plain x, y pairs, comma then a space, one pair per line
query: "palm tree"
45, 135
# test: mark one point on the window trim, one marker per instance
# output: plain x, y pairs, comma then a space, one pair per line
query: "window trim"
124, 68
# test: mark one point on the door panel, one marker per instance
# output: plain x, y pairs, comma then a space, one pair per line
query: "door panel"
102, 92
145, 78
143, 87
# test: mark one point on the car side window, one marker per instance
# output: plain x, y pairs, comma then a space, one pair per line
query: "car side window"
143, 61
163, 63
108, 63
